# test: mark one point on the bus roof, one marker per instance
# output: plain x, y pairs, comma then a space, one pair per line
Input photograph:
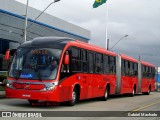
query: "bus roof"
147, 64
90, 47
52, 42
61, 42
128, 58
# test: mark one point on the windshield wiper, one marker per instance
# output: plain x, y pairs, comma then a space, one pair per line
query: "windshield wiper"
38, 71
39, 75
18, 72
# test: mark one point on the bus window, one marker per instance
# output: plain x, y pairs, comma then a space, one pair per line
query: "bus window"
153, 73
131, 69
122, 67
76, 60
99, 62
112, 62
106, 64
126, 67
91, 62
84, 61
135, 69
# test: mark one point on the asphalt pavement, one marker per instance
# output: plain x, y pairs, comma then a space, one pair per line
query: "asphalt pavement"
118, 103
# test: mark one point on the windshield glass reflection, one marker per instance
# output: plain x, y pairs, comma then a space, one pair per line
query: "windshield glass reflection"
39, 63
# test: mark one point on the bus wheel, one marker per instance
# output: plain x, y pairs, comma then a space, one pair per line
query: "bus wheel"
148, 92
73, 101
105, 97
32, 102
133, 92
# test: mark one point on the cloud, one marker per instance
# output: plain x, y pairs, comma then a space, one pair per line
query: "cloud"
137, 18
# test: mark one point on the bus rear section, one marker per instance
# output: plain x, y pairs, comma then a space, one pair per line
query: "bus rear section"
134, 76
147, 77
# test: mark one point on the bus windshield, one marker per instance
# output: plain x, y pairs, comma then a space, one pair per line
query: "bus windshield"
35, 63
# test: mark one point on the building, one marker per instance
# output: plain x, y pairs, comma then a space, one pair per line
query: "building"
12, 19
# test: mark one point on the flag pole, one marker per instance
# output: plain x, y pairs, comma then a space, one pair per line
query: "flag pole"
106, 39
96, 4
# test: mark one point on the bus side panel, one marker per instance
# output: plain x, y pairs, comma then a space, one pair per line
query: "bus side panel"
146, 82
66, 87
99, 82
124, 84
128, 84
94, 85
64, 92
134, 81
68, 84
144, 85
91, 85
102, 84
111, 79
85, 86
152, 81
97, 78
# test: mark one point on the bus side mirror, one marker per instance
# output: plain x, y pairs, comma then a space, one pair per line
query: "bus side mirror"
66, 59
7, 56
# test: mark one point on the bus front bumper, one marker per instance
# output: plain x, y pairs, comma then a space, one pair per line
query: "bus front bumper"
50, 95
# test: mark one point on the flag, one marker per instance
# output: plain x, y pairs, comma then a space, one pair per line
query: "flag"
98, 3
56, 0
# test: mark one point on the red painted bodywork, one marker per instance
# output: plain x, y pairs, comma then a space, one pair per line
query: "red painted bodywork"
91, 85
128, 82
147, 82
125, 57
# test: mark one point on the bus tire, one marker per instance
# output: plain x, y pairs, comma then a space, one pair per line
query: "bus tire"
74, 99
148, 92
32, 101
133, 92
105, 97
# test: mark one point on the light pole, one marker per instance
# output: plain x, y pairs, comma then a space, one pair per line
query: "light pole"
26, 21
118, 42
107, 44
26, 27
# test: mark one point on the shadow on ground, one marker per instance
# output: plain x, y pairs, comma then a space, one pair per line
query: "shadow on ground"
43, 104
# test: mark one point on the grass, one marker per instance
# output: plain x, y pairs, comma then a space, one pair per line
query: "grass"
2, 88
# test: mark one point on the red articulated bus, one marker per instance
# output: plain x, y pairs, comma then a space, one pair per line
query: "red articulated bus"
63, 69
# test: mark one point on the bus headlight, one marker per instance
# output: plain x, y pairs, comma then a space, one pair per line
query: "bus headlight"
9, 84
50, 86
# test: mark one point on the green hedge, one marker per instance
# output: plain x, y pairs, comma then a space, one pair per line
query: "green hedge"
3, 77
2, 88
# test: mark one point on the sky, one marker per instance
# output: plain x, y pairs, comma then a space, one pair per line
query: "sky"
139, 19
